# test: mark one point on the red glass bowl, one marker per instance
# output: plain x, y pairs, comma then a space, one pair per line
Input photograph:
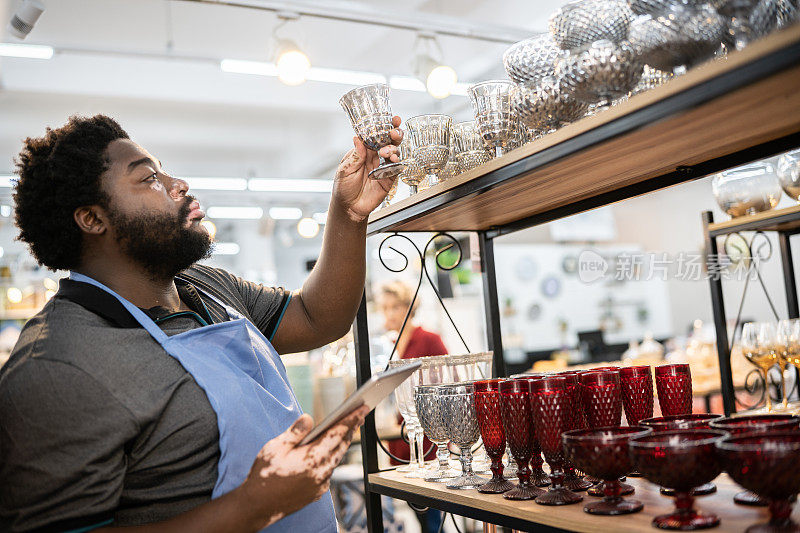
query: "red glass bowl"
674, 387
603, 453
739, 425
682, 459
687, 421
766, 464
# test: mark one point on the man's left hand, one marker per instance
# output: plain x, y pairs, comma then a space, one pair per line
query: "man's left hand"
353, 189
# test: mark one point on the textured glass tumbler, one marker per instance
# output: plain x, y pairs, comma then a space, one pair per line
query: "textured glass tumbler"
429, 412
468, 146
458, 411
637, 395
674, 386
515, 409
370, 114
430, 143
552, 416
602, 402
497, 123
487, 408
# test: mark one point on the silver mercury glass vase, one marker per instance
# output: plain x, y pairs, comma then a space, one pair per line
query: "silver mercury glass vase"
497, 123
677, 39
458, 411
468, 146
531, 60
578, 24
601, 72
429, 411
430, 143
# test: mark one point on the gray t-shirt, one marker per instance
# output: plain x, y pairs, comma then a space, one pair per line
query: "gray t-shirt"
99, 425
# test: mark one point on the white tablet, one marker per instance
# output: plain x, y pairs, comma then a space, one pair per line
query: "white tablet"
370, 393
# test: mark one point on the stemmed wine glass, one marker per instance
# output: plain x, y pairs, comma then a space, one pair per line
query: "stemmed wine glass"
458, 411
487, 408
404, 400
370, 114
430, 143
470, 151
552, 405
577, 421
538, 475
755, 424
674, 387
792, 352
429, 411
412, 173
767, 465
758, 348
683, 459
783, 338
637, 395
604, 453
515, 409
497, 123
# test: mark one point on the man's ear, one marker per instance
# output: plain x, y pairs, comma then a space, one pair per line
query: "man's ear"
90, 219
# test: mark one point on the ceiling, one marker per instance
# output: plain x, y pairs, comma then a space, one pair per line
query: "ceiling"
154, 65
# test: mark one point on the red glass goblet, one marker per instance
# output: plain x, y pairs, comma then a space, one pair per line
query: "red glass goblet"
637, 395
602, 402
487, 409
604, 453
767, 465
515, 409
578, 421
683, 459
755, 424
674, 387
687, 421
552, 416
538, 475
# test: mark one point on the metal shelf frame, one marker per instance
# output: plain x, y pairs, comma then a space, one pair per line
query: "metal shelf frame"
773, 63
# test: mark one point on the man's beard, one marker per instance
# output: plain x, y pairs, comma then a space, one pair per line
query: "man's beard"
159, 242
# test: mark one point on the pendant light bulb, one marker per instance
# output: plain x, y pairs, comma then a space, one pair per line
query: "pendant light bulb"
441, 81
292, 63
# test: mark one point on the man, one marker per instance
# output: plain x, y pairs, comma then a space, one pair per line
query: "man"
147, 392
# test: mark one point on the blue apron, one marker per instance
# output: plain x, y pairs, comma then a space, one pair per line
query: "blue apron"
246, 384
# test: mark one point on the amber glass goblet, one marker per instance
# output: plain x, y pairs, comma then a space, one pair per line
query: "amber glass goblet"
604, 453
515, 409
755, 424
487, 408
674, 387
552, 416
683, 459
767, 465
578, 421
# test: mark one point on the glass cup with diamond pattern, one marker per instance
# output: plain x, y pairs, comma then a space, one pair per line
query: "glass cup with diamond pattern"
487, 408
458, 412
370, 114
430, 143
674, 386
497, 123
515, 409
429, 411
468, 146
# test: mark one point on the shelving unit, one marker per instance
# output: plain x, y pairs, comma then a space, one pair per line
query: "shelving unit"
785, 222
717, 116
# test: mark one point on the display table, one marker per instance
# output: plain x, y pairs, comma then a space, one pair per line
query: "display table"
527, 515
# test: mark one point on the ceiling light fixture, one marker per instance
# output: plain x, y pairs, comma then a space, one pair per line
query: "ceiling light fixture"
225, 248
321, 218
25, 18
285, 213
308, 228
217, 184
26, 51
439, 79
290, 185
239, 212
292, 64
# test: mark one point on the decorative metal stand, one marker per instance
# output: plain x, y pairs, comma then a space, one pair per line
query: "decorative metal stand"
755, 251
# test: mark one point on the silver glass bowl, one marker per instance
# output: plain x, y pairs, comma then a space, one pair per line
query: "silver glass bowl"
655, 7
531, 60
747, 190
546, 106
602, 72
583, 22
677, 39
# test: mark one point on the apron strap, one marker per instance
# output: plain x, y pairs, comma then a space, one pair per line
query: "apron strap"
145, 321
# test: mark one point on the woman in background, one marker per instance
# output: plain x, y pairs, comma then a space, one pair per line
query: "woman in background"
414, 342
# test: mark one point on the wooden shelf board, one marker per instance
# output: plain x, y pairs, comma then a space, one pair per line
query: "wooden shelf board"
573, 518
786, 219
620, 147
